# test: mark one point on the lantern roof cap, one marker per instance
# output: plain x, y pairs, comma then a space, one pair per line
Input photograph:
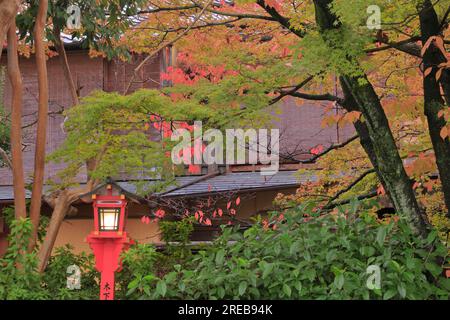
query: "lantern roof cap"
116, 186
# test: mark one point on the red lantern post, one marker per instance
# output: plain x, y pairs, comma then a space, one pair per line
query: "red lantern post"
108, 239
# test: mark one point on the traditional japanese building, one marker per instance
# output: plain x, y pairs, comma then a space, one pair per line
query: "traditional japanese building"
300, 128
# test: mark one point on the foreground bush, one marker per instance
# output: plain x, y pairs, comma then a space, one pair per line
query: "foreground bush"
19, 279
18, 276
293, 257
55, 278
324, 257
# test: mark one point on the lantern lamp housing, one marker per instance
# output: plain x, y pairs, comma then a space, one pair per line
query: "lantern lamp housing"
109, 214
108, 219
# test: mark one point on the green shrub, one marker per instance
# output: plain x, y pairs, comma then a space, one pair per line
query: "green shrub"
139, 269
143, 266
19, 279
55, 276
326, 257
175, 235
18, 276
319, 257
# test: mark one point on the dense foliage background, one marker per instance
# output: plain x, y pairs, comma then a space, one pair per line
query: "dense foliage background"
391, 83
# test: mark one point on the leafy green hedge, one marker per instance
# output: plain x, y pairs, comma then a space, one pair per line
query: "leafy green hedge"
320, 258
18, 276
19, 279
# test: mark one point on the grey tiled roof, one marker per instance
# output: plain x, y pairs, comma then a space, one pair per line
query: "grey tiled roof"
234, 181
131, 187
6, 193
189, 185
240, 181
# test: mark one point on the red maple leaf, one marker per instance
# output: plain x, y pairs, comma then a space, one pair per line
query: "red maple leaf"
380, 191
194, 169
160, 213
274, 4
317, 150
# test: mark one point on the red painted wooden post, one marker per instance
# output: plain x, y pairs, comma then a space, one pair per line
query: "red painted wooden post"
107, 244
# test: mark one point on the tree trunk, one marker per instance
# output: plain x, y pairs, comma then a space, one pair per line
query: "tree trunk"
65, 65
61, 202
430, 26
8, 11
39, 157
61, 206
363, 132
445, 82
390, 165
15, 79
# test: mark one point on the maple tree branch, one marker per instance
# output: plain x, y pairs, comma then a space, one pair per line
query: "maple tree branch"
161, 9
208, 204
444, 19
242, 15
333, 205
329, 149
196, 5
369, 195
206, 25
411, 17
350, 186
288, 92
51, 113
139, 67
406, 46
281, 19
317, 97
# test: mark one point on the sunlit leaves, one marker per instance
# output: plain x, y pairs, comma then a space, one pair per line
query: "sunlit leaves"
110, 132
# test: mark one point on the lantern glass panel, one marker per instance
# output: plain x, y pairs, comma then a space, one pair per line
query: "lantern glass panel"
109, 219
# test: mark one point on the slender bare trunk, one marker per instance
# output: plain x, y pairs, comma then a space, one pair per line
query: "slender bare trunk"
15, 79
62, 201
8, 11
65, 65
39, 158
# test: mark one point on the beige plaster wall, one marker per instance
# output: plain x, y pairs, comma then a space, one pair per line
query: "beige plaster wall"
75, 231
